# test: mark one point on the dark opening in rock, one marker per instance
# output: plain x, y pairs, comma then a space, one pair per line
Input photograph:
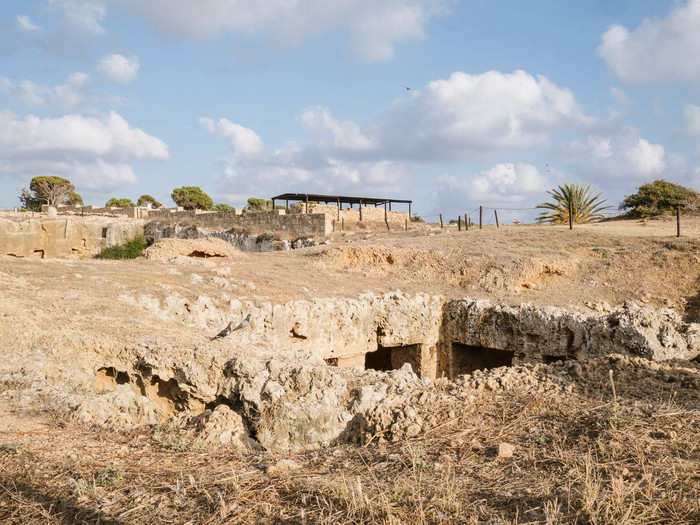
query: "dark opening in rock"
198, 253
553, 358
394, 357
466, 359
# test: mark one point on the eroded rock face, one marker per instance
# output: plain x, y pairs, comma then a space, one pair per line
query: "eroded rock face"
270, 384
535, 334
121, 407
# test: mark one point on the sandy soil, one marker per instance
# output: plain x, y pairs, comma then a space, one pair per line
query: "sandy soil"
639, 452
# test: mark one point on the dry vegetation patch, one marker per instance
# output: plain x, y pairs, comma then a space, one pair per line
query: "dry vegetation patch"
588, 456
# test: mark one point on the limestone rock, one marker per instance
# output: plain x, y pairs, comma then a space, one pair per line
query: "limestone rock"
222, 427
121, 407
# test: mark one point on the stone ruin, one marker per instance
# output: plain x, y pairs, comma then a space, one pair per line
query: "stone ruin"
312, 373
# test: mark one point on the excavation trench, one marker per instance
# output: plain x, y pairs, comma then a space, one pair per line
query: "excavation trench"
275, 381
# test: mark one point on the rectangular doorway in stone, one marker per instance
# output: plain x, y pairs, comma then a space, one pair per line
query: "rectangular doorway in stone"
394, 357
466, 358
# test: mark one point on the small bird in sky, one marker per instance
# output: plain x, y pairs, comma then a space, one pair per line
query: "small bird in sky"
245, 323
407, 88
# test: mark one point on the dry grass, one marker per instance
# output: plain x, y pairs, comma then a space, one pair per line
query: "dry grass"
577, 460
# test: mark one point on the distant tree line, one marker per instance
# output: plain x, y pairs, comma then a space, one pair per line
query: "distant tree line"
655, 198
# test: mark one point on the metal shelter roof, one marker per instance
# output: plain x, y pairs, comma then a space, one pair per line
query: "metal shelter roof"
337, 199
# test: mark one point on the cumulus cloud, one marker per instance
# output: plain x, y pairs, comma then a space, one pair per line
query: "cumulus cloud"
334, 133
72, 94
26, 24
621, 155
506, 182
119, 68
658, 50
92, 151
375, 26
465, 114
81, 15
244, 141
317, 166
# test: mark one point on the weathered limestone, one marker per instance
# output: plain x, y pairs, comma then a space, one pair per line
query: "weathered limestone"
534, 334
274, 380
65, 236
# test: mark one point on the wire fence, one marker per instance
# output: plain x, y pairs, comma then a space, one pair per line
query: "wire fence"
501, 216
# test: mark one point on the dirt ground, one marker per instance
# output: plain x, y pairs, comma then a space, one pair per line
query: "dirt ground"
594, 455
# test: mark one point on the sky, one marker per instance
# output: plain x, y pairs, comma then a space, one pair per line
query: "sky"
453, 104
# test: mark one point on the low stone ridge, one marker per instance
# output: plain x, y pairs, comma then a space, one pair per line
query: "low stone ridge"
168, 249
262, 242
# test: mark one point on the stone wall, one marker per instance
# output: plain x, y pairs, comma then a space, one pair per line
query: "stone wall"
65, 236
289, 226
349, 219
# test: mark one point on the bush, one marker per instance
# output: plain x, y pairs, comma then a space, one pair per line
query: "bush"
192, 197
130, 250
145, 199
658, 198
221, 207
258, 204
417, 218
119, 203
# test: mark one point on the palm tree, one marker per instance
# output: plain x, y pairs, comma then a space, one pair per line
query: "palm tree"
584, 205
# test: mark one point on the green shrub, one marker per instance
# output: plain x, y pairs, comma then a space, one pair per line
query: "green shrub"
258, 204
132, 249
658, 198
119, 203
191, 198
145, 199
223, 207
417, 218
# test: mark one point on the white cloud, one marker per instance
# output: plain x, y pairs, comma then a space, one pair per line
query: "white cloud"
82, 15
472, 114
334, 133
66, 96
91, 151
621, 155
25, 23
658, 50
119, 68
691, 120
244, 141
507, 182
375, 26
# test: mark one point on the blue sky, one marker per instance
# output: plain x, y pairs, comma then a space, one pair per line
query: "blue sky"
507, 99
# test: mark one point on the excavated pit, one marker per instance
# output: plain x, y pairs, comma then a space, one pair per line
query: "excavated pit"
270, 379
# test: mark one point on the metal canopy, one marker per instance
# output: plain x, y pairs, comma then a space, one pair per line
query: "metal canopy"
337, 199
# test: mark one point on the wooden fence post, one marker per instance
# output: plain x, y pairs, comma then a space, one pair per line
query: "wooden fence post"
441, 221
495, 213
481, 217
386, 218
571, 216
406, 228
678, 221
459, 223
342, 224
466, 222
307, 204
360, 211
